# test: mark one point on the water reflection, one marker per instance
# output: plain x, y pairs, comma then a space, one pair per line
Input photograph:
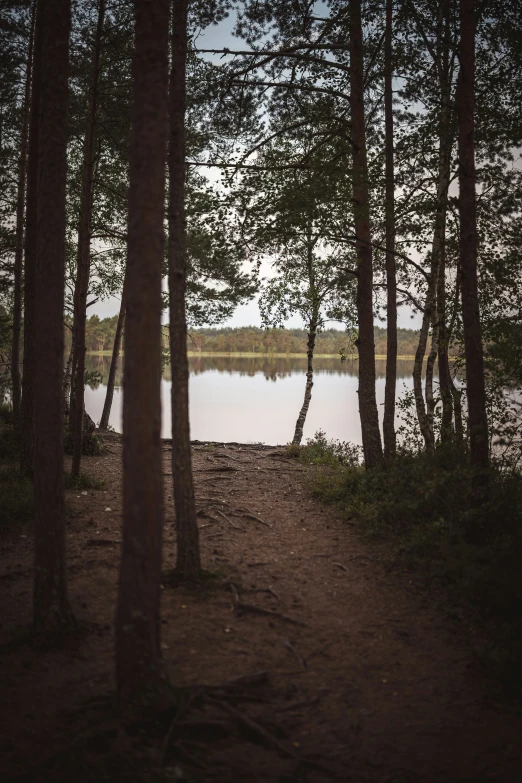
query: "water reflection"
257, 399
271, 367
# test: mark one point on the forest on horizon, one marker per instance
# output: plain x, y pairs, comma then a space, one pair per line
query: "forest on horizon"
100, 334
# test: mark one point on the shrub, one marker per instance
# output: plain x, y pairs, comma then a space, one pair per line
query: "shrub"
84, 481
16, 497
466, 540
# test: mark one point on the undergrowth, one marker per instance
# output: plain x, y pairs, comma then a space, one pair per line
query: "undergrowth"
16, 497
84, 481
92, 445
428, 509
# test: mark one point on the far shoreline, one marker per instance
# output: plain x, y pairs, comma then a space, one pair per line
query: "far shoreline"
266, 355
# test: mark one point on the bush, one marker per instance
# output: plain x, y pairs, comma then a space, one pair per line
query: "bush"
9, 444
92, 445
6, 412
321, 451
84, 481
16, 497
465, 539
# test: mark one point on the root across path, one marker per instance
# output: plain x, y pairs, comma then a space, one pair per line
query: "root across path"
302, 658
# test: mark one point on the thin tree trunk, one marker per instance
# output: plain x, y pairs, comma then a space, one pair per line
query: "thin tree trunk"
432, 357
188, 564
456, 394
84, 248
31, 219
67, 379
389, 436
299, 426
444, 369
475, 382
19, 243
430, 315
371, 435
104, 421
51, 606
138, 649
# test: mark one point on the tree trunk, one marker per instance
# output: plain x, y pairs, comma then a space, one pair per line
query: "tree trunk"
371, 436
475, 383
51, 606
31, 219
138, 649
84, 260
19, 242
188, 563
432, 357
430, 314
104, 421
444, 369
299, 426
389, 437
67, 378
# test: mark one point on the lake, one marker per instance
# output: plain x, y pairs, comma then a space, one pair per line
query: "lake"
257, 399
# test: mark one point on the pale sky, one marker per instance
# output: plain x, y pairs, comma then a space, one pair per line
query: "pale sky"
218, 37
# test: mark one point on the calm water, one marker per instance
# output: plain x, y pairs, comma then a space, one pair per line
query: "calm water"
258, 399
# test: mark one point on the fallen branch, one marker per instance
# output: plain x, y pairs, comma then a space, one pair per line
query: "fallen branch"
256, 519
233, 524
241, 606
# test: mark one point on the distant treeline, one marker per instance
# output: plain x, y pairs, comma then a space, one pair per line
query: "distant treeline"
251, 339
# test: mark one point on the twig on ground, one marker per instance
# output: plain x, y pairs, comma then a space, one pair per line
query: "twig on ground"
288, 644
255, 518
218, 469
232, 524
254, 728
341, 566
241, 606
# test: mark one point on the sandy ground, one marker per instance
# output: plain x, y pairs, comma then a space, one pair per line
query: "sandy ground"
357, 676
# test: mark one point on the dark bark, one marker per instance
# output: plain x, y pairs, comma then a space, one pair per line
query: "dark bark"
371, 436
83, 258
51, 606
475, 383
188, 563
444, 369
389, 436
138, 649
104, 421
19, 242
31, 218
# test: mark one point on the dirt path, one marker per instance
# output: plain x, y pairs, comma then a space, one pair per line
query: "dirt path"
362, 679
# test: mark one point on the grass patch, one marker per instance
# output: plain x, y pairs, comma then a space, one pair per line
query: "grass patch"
16, 497
6, 412
427, 508
84, 481
9, 444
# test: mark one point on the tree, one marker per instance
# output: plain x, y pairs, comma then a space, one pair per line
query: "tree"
138, 649
51, 606
19, 247
188, 564
107, 405
371, 436
389, 437
31, 217
84, 248
475, 385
